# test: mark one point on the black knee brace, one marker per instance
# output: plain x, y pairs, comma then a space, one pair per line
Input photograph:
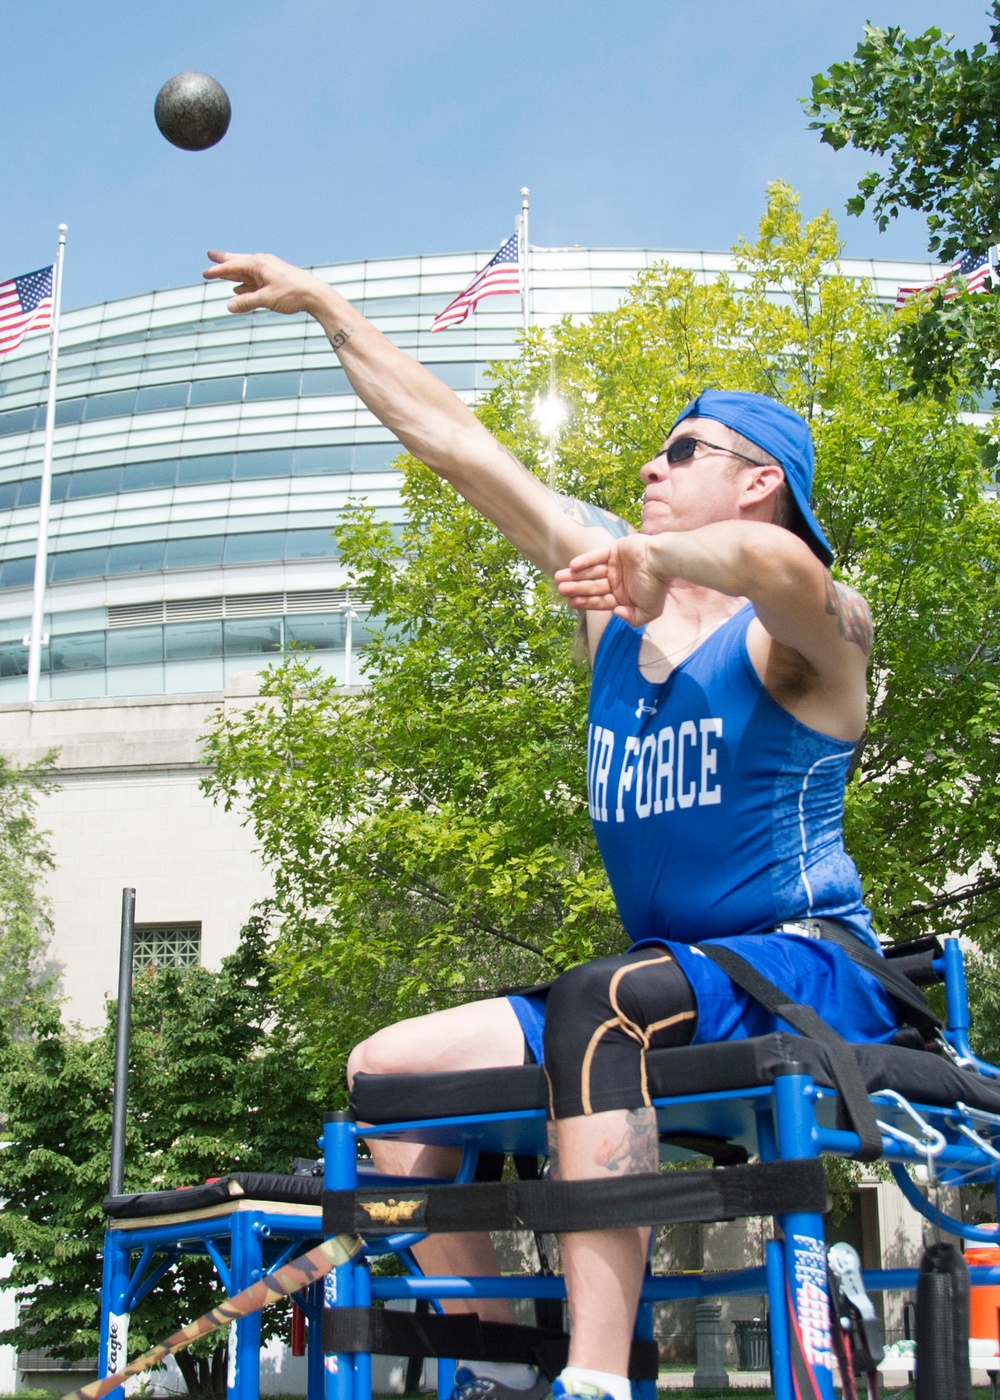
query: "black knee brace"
601, 1018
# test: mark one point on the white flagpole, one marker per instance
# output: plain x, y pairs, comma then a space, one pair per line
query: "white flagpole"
42, 549
525, 262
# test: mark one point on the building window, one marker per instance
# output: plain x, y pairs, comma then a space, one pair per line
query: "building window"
167, 945
41, 1359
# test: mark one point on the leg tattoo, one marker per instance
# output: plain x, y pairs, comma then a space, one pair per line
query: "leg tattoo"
637, 1150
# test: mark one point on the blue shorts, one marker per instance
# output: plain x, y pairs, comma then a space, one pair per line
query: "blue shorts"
811, 971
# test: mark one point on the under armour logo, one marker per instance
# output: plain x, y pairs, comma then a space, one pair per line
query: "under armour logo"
644, 709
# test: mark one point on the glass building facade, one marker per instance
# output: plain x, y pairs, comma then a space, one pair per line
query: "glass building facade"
202, 460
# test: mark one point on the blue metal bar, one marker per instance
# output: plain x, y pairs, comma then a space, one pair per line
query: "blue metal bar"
468, 1120
886, 1280
957, 1002
282, 1257
930, 1212
778, 1321
340, 1173
656, 1288
362, 1360
474, 1120
445, 1377
804, 1241
470, 1161
128, 1301
767, 1142
955, 991
148, 1284
846, 1144
197, 1231
114, 1316
246, 1266
221, 1267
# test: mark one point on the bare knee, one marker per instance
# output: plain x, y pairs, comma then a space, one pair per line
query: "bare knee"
378, 1054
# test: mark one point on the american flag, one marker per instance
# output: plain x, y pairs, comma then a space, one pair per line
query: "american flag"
976, 268
501, 275
25, 305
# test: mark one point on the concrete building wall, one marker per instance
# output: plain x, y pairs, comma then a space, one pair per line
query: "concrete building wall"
128, 810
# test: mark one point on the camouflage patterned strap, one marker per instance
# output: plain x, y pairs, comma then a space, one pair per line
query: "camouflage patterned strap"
290, 1278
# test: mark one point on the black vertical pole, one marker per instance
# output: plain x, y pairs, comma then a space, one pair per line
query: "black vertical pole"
119, 1101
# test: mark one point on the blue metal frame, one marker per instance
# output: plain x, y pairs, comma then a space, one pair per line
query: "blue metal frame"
256, 1241
793, 1118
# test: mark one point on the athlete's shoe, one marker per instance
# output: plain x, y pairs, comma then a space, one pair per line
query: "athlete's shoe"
578, 1390
469, 1386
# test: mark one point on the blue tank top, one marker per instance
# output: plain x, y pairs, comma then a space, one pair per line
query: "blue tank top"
716, 811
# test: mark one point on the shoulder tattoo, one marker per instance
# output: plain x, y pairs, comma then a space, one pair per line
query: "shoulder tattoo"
854, 620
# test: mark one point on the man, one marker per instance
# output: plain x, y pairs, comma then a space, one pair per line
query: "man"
728, 695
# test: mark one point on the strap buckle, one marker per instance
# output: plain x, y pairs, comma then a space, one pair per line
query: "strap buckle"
802, 928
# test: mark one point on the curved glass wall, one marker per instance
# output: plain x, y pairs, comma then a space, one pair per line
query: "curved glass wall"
202, 460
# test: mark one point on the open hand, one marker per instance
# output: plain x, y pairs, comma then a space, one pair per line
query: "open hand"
618, 577
265, 281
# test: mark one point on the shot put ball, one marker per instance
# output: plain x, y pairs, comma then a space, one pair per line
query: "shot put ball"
192, 111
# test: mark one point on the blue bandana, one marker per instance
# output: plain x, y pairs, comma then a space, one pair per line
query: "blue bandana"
779, 432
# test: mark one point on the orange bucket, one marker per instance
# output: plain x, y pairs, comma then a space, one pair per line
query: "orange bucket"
984, 1300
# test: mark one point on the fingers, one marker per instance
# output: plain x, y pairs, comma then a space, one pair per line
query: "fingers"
584, 587
589, 596
582, 562
242, 269
231, 267
249, 301
595, 602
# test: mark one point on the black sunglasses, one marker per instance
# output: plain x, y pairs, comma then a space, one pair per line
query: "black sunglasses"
683, 449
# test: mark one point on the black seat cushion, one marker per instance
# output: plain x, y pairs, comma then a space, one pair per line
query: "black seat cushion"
688, 1069
259, 1186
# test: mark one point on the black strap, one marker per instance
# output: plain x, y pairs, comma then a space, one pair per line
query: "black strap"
851, 1089
913, 1005
608, 1203
548, 1311
460, 1336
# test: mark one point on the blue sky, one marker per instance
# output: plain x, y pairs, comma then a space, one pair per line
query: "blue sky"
382, 127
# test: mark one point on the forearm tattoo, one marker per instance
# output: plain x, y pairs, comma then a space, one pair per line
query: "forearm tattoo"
638, 1150
854, 621
587, 514
581, 511
341, 337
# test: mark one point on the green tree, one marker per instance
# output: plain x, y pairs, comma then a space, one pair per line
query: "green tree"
209, 1060
429, 838
930, 112
25, 860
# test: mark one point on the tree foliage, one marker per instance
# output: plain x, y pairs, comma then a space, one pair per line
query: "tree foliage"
25, 860
209, 1060
429, 837
930, 111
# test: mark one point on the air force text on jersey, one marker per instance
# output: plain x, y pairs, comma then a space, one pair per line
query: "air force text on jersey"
674, 767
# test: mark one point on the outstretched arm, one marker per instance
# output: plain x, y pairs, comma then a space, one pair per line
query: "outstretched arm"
424, 414
798, 605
